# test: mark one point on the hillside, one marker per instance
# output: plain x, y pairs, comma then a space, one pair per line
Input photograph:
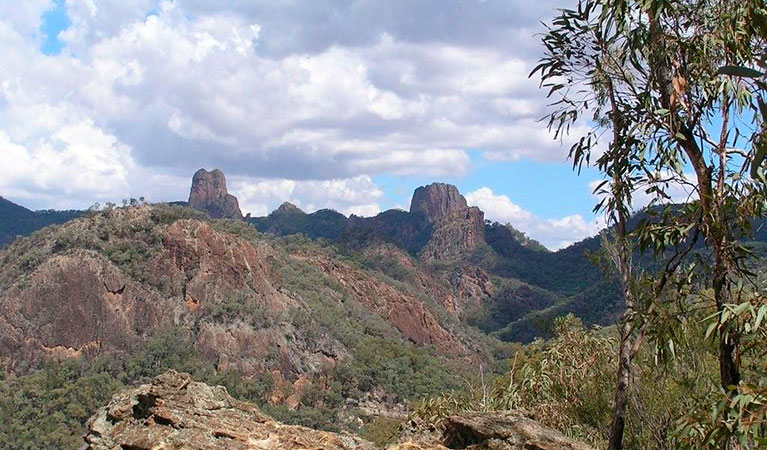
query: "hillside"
320, 319
533, 284
16, 220
323, 332
443, 232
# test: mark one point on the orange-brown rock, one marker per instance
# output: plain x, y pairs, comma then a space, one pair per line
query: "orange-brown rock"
209, 194
80, 303
77, 303
496, 430
175, 412
505, 430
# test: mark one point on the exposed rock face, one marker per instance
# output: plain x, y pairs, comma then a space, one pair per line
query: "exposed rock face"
457, 229
456, 235
209, 194
175, 412
76, 304
437, 200
504, 430
408, 314
191, 273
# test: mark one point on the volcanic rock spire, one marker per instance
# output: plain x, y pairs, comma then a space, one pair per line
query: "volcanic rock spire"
209, 194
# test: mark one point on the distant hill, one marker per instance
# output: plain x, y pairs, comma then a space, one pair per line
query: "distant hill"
15, 220
525, 285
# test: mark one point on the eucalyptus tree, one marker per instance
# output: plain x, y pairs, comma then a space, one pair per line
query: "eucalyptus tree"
580, 68
680, 86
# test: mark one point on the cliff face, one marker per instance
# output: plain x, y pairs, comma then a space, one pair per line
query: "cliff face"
437, 201
458, 229
456, 235
209, 194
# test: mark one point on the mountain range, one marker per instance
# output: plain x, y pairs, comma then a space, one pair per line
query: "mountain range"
320, 319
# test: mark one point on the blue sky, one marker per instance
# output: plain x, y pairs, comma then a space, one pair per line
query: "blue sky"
53, 22
348, 105
548, 189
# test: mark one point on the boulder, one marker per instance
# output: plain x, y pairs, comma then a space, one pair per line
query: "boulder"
497, 430
507, 430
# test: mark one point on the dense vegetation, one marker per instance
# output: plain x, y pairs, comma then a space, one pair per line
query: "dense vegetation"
19, 221
566, 383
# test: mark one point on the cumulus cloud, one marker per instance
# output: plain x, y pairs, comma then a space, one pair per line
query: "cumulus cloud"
358, 195
271, 92
553, 233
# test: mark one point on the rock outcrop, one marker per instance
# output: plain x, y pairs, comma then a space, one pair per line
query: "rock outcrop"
175, 412
457, 228
497, 430
403, 310
209, 194
456, 235
192, 273
437, 200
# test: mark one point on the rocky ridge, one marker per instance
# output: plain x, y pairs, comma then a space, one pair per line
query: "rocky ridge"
129, 273
173, 411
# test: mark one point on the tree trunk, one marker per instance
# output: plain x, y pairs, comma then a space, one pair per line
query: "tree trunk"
623, 382
621, 258
729, 372
626, 350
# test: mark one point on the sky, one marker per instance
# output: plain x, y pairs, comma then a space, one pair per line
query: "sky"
342, 104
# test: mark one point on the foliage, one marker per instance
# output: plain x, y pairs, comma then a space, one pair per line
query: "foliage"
680, 84
19, 221
381, 431
567, 383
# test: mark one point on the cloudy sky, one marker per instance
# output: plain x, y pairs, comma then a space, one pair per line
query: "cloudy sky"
337, 104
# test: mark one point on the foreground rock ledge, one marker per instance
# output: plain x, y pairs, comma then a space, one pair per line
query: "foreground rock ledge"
174, 412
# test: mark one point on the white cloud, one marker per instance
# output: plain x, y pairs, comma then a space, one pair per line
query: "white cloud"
553, 233
305, 91
358, 195
77, 159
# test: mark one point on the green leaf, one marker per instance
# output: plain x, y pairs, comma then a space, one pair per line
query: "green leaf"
710, 329
760, 316
739, 71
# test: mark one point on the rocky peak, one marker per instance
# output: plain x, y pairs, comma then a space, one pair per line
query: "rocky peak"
209, 194
437, 200
288, 208
457, 228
